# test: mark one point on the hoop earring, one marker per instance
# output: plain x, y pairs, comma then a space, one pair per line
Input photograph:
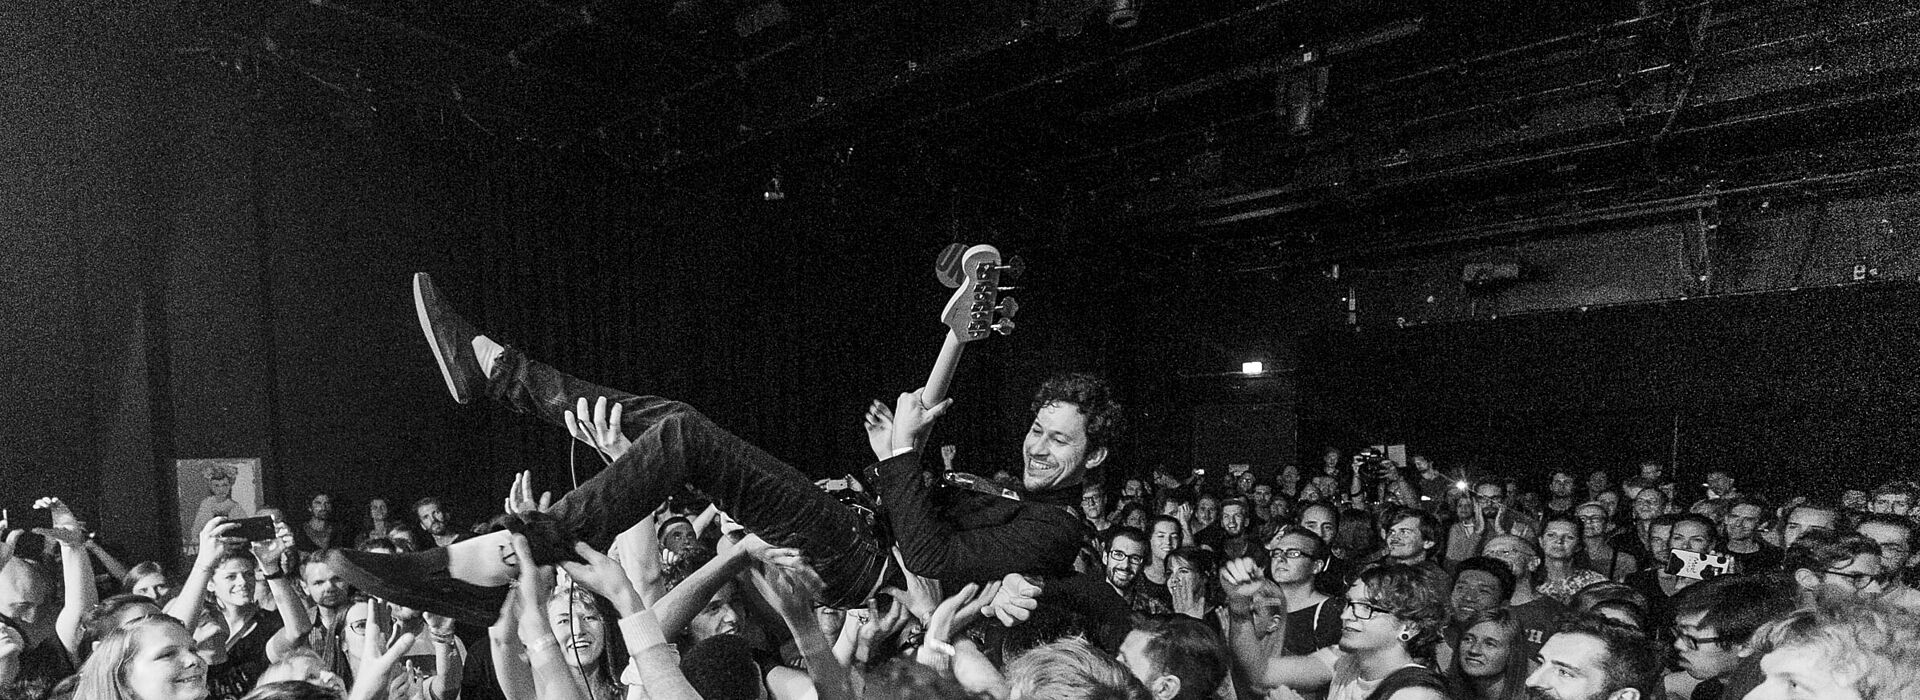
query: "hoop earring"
1406, 635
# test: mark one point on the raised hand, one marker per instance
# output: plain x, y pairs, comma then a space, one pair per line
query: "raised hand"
912, 419
876, 627
268, 552
371, 680
599, 428
1188, 599
213, 536
923, 594
1015, 600
63, 516
962, 609
604, 576
879, 427
66, 528
520, 496
1242, 580
947, 453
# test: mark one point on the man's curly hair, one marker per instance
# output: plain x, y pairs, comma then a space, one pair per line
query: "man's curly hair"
1094, 397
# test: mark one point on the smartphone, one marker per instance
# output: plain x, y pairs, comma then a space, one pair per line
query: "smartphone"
254, 529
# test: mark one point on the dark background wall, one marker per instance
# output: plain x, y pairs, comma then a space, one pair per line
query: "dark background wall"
190, 271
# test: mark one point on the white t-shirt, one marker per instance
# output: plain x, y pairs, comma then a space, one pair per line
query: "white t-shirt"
1347, 683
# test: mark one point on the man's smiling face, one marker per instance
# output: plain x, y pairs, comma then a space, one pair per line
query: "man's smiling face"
1055, 449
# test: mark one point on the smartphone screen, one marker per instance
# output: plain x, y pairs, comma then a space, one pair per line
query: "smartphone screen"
254, 529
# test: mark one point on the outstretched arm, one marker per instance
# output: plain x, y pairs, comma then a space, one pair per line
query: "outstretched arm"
543, 649
658, 666
293, 612
76, 570
510, 666
792, 592
186, 606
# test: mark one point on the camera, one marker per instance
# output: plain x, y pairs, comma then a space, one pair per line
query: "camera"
1373, 464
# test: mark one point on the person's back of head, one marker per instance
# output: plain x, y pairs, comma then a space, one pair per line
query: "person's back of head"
1736, 605
1185, 648
1868, 646
901, 678
1070, 669
1357, 533
721, 667
1821, 550
291, 690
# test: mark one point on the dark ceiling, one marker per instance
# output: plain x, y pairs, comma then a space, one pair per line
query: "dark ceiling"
1250, 136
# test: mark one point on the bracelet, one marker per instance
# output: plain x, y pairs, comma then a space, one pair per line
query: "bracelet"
441, 637
937, 646
275, 576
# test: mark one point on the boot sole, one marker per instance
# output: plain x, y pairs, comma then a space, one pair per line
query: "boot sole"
433, 339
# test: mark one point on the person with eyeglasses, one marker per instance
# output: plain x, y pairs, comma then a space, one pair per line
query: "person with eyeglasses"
1714, 620
1597, 550
1390, 622
1895, 537
1106, 597
1834, 565
1295, 556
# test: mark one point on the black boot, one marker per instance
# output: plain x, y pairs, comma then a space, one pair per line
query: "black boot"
451, 339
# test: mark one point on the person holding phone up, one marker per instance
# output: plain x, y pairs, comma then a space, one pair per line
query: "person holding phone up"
226, 568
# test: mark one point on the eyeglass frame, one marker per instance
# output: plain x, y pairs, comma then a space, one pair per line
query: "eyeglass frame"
1854, 577
1289, 553
1131, 558
1693, 643
1372, 609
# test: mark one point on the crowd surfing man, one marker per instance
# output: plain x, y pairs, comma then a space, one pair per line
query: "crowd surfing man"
957, 531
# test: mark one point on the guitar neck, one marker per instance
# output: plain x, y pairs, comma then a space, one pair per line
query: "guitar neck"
942, 374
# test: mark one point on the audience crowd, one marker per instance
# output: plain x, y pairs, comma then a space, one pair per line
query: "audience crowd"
1352, 578
1355, 579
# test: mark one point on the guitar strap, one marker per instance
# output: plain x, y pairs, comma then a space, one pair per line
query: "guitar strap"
979, 484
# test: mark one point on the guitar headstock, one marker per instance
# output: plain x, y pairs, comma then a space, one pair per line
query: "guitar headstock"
976, 308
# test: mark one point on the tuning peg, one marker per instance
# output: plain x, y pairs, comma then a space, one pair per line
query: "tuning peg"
1003, 326
1008, 307
1014, 266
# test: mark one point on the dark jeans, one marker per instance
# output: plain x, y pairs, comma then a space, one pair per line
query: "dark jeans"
673, 444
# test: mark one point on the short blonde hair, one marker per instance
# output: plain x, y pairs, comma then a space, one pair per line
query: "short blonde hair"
1070, 669
1873, 642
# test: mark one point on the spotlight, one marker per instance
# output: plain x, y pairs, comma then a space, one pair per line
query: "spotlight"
1123, 14
1251, 368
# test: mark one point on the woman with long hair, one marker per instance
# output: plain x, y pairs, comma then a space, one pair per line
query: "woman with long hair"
1167, 535
149, 659
1191, 575
1488, 666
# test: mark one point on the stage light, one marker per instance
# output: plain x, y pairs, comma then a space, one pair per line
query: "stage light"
1123, 14
774, 193
1252, 367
